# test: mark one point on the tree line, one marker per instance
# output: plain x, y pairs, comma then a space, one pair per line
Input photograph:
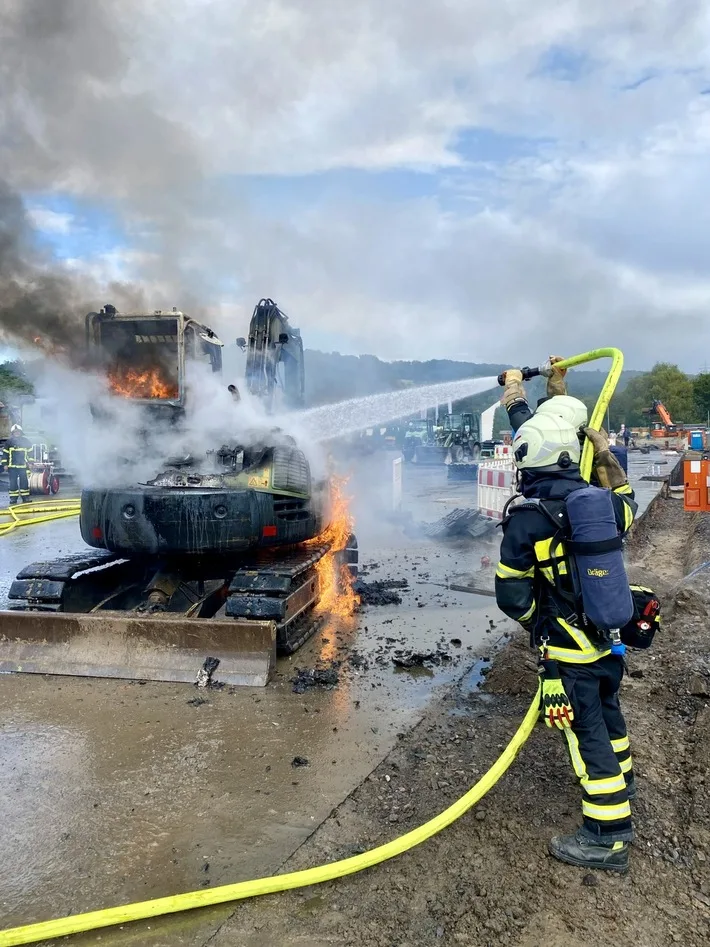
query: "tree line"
686, 397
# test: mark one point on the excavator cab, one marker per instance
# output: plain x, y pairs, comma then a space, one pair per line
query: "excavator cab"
146, 356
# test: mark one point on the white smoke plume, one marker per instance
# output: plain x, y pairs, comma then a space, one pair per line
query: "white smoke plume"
108, 441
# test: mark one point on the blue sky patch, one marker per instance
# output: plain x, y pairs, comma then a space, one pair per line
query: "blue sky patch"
564, 63
91, 229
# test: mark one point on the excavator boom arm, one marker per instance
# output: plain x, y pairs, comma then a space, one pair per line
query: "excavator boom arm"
274, 356
663, 413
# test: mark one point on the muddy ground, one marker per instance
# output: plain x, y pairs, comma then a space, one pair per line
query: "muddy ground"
488, 879
116, 791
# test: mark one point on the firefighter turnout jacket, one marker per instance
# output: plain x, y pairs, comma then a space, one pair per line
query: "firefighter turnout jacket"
15, 453
532, 552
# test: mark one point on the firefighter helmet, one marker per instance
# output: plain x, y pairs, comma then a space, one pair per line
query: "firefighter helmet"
546, 441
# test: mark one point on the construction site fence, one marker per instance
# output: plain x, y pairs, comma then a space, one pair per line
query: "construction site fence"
496, 485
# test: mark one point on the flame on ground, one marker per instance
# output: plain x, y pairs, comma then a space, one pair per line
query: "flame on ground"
337, 597
130, 383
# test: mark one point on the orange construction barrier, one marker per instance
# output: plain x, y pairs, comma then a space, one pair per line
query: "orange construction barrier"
696, 496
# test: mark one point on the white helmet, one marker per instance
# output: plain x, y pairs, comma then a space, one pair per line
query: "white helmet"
15, 429
564, 406
546, 441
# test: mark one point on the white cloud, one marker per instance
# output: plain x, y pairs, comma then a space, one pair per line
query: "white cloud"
50, 221
588, 237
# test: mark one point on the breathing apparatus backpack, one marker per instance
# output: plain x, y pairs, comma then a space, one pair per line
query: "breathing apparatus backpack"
597, 590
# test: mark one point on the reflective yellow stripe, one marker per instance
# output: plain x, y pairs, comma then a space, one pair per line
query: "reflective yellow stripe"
622, 743
528, 614
626, 765
508, 572
600, 787
573, 746
628, 516
624, 488
544, 550
593, 787
586, 654
578, 636
570, 656
606, 813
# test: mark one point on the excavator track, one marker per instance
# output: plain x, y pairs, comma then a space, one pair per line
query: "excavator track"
284, 590
235, 629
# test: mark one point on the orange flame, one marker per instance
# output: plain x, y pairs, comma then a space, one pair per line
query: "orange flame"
337, 596
148, 384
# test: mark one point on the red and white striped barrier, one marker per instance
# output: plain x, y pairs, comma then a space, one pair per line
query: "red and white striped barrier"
496, 485
503, 450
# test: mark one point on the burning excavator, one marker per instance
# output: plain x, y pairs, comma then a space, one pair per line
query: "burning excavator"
207, 570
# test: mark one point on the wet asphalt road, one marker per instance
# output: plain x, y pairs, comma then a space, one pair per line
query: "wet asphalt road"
119, 791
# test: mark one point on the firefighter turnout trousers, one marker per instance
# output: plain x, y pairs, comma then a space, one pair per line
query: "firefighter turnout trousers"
19, 483
599, 746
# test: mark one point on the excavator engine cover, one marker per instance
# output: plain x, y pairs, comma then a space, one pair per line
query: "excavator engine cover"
141, 520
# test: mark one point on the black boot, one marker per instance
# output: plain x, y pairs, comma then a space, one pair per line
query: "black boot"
580, 850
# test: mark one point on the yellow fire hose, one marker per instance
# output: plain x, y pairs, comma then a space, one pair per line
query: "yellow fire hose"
141, 910
41, 511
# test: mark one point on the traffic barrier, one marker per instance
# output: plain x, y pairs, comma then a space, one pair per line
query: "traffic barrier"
397, 484
496, 485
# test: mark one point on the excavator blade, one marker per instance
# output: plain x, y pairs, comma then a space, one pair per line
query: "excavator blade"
161, 647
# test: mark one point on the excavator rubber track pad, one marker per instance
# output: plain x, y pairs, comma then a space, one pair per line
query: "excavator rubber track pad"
283, 589
130, 647
260, 582
47, 591
65, 568
277, 571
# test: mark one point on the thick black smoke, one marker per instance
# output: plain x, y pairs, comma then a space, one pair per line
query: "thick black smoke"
71, 121
41, 306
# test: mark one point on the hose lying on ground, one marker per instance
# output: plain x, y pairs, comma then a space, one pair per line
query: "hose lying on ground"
41, 511
44, 930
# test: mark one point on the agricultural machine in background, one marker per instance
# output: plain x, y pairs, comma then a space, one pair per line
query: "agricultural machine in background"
457, 440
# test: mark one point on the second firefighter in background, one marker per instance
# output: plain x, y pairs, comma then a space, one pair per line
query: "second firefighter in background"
16, 458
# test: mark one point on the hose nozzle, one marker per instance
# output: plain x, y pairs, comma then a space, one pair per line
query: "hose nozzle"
528, 373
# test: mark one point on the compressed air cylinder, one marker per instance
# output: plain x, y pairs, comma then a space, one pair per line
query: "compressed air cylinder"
596, 548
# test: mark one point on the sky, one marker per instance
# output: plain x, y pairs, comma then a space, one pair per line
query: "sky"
486, 180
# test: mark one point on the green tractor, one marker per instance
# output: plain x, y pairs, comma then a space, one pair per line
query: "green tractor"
459, 438
419, 445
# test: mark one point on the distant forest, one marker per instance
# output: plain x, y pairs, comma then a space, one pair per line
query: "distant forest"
333, 377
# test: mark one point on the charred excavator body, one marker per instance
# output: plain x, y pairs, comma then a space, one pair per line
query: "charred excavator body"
214, 564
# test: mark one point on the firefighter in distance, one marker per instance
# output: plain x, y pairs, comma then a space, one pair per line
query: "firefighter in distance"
15, 457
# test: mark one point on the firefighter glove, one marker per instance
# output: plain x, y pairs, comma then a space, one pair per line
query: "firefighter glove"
555, 706
556, 379
513, 390
607, 468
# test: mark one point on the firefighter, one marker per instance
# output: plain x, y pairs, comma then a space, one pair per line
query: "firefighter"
580, 674
234, 392
15, 458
